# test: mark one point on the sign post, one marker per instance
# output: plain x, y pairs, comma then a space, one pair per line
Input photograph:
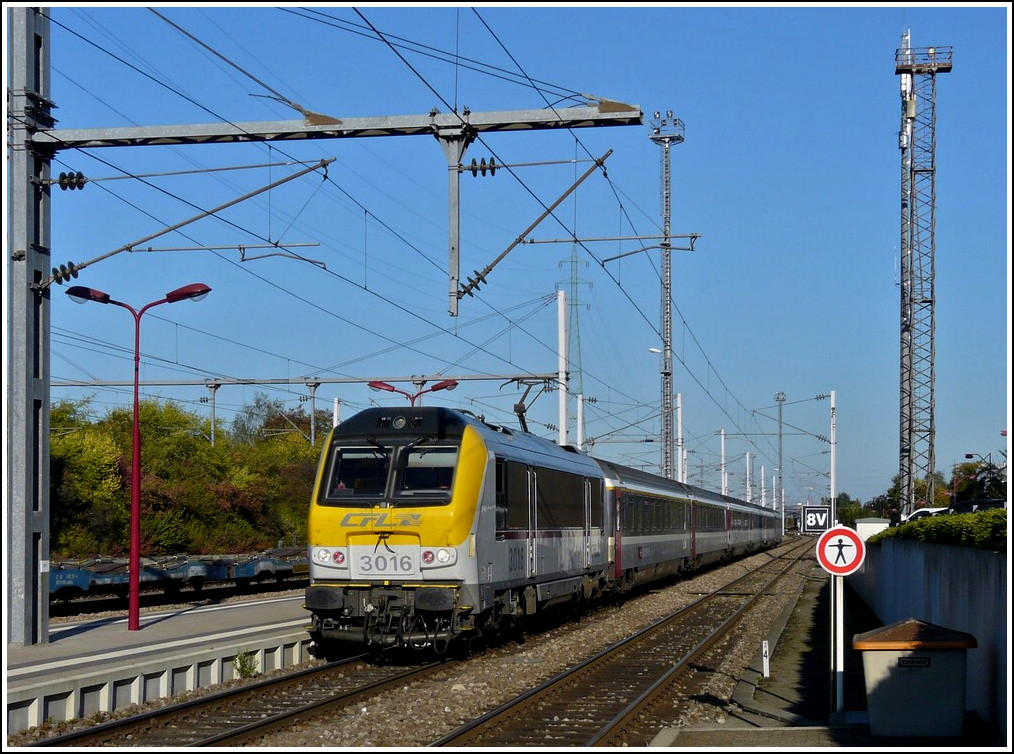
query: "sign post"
840, 551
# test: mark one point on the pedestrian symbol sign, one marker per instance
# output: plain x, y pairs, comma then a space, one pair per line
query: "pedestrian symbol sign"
840, 551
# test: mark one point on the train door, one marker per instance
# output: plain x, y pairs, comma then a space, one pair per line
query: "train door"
533, 523
518, 517
692, 515
618, 529
586, 544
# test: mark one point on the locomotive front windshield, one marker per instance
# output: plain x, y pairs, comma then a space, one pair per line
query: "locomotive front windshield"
412, 474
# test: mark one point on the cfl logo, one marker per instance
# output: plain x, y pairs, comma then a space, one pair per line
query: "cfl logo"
382, 519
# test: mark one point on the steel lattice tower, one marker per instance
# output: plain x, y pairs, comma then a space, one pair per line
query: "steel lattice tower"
667, 131
918, 68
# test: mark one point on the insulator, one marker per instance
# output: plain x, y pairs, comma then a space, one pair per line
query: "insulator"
64, 272
482, 166
71, 180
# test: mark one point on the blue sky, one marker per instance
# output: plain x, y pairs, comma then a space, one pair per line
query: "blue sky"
790, 173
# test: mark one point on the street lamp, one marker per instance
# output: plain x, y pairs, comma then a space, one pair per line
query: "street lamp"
80, 294
442, 385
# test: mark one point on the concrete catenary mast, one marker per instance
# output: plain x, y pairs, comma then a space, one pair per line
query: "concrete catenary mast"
918, 69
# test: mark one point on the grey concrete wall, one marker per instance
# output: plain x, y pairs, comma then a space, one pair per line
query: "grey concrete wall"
960, 588
31, 703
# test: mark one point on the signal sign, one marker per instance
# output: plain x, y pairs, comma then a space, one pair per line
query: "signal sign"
840, 551
816, 518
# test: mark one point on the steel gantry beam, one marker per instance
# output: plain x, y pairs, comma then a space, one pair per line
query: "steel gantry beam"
454, 131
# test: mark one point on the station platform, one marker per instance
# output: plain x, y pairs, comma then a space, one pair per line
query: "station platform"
794, 705
101, 666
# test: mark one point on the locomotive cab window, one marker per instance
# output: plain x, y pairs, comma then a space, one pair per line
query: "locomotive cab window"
427, 471
358, 473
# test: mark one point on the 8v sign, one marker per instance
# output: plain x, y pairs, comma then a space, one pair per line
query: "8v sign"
816, 518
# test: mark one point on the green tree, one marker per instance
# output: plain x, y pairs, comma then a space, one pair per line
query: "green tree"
848, 510
195, 497
941, 494
978, 480
266, 417
89, 500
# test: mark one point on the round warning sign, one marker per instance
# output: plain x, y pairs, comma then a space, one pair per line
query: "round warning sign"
840, 551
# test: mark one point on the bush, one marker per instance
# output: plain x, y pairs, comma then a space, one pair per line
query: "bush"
985, 530
245, 664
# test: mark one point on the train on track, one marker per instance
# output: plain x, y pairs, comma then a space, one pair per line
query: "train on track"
429, 526
103, 577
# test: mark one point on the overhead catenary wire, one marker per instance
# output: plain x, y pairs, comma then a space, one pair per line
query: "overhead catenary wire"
540, 89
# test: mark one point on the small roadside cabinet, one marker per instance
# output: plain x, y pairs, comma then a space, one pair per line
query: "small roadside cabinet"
915, 679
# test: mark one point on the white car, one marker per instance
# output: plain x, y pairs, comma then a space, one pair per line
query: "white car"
923, 513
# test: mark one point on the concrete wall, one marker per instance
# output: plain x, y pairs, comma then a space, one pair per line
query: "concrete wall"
960, 588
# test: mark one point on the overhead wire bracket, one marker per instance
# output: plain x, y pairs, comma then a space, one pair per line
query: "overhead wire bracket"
480, 277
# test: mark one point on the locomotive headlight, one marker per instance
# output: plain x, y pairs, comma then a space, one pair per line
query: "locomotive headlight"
326, 556
440, 556
321, 555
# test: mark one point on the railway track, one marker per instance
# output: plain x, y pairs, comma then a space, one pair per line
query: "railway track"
241, 716
587, 710
607, 700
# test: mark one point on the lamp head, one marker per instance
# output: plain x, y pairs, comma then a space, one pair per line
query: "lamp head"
444, 385
192, 292
80, 294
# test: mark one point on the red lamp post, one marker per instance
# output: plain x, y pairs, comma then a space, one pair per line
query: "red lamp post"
412, 397
80, 294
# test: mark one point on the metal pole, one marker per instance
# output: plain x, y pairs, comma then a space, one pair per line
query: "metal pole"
781, 492
561, 315
579, 424
213, 388
834, 447
134, 568
837, 640
780, 399
725, 476
681, 453
313, 411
